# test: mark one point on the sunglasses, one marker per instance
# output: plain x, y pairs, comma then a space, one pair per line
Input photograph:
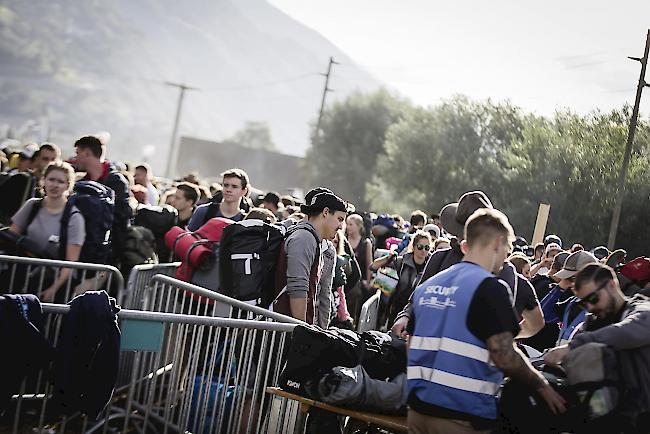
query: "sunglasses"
592, 298
423, 247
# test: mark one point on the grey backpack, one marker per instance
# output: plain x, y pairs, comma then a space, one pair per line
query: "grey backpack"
592, 373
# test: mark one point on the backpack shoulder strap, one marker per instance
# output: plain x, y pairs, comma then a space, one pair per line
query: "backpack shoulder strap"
211, 212
36, 207
63, 229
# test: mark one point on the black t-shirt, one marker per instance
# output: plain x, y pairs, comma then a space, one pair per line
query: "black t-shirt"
490, 313
419, 267
526, 298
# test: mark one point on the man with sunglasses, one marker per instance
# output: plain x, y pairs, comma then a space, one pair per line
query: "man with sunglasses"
559, 305
621, 323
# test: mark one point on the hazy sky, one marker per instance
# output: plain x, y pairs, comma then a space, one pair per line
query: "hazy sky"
541, 55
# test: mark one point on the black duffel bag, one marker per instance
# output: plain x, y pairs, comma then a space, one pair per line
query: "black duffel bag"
314, 352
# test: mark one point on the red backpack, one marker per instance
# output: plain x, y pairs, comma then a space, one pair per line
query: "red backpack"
637, 270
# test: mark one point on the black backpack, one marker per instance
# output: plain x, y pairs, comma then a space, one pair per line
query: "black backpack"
159, 220
247, 255
15, 189
139, 247
96, 204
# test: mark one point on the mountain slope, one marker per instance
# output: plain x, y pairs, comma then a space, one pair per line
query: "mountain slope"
101, 65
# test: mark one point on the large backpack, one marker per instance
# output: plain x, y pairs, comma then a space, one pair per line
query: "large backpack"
198, 252
159, 220
96, 203
250, 254
139, 247
15, 189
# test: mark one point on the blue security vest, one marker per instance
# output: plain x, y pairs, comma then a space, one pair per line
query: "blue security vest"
567, 328
447, 365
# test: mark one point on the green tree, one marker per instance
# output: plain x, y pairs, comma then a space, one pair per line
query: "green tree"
344, 156
434, 155
572, 162
254, 135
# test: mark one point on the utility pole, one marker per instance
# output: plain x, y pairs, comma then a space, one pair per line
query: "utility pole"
173, 147
325, 90
620, 192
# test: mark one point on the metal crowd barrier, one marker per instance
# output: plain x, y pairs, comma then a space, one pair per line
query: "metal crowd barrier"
189, 374
170, 295
140, 279
20, 275
369, 313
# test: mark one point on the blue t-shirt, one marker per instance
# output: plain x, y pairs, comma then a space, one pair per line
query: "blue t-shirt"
198, 218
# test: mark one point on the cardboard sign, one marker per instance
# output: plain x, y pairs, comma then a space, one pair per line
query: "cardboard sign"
540, 224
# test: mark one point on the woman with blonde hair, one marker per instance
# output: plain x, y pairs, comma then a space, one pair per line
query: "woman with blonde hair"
39, 220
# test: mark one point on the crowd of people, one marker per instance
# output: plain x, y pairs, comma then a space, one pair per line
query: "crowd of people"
474, 301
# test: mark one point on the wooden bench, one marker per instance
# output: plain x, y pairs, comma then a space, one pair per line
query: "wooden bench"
392, 423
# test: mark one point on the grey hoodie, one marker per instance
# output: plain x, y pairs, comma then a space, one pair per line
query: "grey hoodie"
630, 338
301, 248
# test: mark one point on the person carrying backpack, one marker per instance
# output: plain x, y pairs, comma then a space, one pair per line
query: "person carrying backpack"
326, 213
622, 324
90, 157
235, 188
39, 220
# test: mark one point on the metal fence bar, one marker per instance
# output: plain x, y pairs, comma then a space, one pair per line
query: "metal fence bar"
195, 296
369, 313
33, 275
140, 278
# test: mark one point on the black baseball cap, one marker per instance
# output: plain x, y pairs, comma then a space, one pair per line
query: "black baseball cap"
320, 198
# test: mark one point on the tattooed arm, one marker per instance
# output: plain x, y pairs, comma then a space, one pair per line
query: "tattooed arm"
507, 357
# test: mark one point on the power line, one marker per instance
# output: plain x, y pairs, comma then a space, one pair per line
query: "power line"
269, 83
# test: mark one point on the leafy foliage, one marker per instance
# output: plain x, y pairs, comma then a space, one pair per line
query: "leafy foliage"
430, 156
353, 136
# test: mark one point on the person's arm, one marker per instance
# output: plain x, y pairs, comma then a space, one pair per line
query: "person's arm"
298, 308
532, 322
507, 357
544, 263
71, 254
400, 325
381, 262
301, 252
632, 332
16, 229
